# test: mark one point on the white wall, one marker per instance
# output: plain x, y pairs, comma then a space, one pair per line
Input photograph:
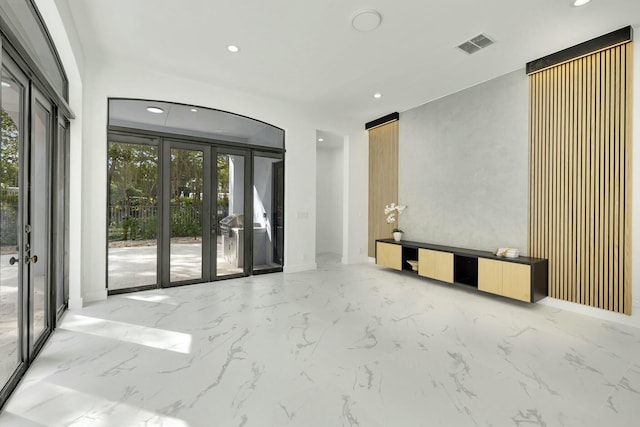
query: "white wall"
237, 166
356, 196
329, 196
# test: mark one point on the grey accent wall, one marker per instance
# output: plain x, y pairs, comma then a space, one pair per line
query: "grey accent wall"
463, 167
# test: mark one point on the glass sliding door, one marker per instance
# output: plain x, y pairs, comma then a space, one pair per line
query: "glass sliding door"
13, 131
132, 176
230, 225
268, 213
186, 202
182, 212
33, 124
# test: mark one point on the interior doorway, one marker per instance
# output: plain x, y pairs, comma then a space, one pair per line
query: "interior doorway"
329, 197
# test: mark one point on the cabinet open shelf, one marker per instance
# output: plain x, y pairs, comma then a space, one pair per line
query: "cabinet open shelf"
465, 270
409, 253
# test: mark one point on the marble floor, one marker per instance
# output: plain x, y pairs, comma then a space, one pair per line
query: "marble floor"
341, 346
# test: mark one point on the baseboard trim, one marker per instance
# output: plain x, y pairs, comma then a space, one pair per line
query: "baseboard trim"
100, 295
597, 313
76, 303
300, 267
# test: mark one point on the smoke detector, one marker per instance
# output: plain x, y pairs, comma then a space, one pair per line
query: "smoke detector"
366, 20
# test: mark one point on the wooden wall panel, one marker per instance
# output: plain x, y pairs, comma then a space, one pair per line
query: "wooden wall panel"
383, 180
580, 177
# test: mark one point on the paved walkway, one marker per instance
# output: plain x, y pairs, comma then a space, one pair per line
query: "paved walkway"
136, 265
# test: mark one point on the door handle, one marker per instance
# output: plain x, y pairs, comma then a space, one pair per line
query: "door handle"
32, 260
13, 260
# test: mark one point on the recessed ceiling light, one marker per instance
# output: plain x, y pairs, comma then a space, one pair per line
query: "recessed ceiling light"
366, 20
233, 48
578, 3
320, 139
194, 110
155, 110
377, 95
5, 84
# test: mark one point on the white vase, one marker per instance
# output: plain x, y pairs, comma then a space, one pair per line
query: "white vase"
397, 236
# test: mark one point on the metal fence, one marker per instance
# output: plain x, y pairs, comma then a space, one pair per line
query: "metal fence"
140, 222
9, 225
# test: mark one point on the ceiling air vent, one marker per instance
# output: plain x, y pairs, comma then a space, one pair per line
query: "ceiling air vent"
475, 44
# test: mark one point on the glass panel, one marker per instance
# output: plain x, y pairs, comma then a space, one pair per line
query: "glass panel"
12, 107
65, 268
268, 213
27, 27
133, 215
58, 230
180, 119
230, 215
39, 219
187, 178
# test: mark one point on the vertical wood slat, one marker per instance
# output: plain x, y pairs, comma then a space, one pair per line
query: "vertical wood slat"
627, 182
383, 180
615, 159
580, 184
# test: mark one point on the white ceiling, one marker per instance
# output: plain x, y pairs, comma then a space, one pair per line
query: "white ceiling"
306, 52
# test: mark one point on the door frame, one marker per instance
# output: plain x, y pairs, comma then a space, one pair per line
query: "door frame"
165, 207
247, 211
28, 347
280, 157
127, 138
49, 316
22, 303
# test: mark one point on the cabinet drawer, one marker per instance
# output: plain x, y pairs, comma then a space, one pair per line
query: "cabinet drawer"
436, 265
389, 255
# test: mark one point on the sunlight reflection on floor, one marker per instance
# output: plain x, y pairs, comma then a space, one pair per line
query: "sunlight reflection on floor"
83, 409
150, 337
150, 298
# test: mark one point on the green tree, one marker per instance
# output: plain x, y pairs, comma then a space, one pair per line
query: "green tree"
9, 178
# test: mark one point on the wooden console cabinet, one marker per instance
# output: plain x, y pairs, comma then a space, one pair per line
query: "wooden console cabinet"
522, 278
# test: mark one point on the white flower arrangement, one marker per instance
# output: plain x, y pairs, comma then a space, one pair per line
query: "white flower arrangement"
390, 212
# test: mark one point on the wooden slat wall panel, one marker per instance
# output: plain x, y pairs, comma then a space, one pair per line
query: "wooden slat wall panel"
580, 177
383, 180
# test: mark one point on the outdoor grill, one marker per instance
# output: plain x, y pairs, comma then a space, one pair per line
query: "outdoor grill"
232, 231
229, 222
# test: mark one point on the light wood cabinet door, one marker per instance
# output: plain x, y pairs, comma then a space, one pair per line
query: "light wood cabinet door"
389, 255
490, 276
516, 281
436, 265
505, 278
